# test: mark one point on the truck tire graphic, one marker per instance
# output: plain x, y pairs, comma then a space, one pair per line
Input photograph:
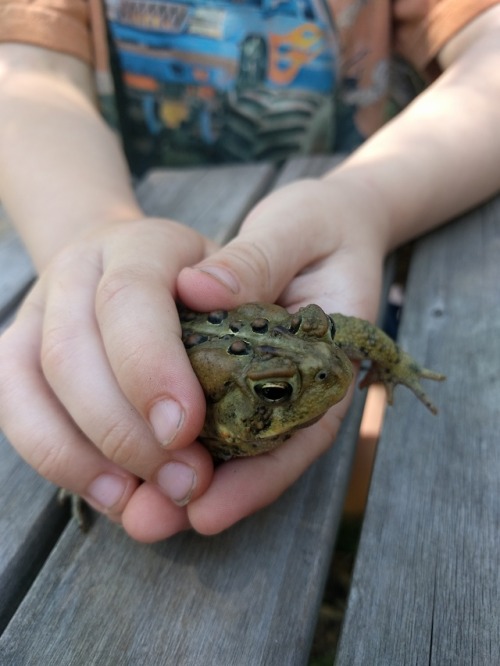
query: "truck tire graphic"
275, 124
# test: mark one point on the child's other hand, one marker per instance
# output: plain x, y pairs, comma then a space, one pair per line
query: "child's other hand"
310, 242
95, 377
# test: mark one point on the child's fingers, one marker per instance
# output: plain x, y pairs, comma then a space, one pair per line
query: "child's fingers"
41, 430
80, 375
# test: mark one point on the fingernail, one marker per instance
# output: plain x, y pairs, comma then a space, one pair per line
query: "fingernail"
107, 490
166, 418
222, 275
177, 481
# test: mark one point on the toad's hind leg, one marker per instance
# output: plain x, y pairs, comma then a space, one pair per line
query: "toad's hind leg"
390, 365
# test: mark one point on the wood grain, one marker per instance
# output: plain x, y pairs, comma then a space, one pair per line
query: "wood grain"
30, 523
426, 586
212, 201
248, 596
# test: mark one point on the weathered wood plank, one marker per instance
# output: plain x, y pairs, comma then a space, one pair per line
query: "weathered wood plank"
238, 598
426, 586
249, 595
307, 167
28, 506
214, 201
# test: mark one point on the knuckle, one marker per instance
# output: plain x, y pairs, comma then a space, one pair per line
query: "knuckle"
71, 260
119, 443
254, 261
50, 460
64, 261
110, 287
135, 364
114, 285
57, 347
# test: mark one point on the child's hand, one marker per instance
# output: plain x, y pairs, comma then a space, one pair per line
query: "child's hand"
307, 243
95, 378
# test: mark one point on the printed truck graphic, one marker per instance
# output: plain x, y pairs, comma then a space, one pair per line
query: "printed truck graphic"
241, 79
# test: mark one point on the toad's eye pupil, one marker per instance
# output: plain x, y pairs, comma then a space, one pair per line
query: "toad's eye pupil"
321, 376
274, 392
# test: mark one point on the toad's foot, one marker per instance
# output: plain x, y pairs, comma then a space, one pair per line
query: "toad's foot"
78, 507
390, 365
405, 371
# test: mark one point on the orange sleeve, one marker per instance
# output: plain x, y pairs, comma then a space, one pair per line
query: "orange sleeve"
59, 25
422, 27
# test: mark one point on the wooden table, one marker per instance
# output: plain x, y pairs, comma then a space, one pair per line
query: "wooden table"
426, 586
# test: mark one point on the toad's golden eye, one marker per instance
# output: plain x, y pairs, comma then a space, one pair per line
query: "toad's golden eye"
274, 392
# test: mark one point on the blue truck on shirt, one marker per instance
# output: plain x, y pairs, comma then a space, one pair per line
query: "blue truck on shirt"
236, 80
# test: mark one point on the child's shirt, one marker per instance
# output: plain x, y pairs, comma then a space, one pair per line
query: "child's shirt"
239, 80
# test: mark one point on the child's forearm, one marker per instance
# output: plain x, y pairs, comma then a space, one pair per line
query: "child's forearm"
441, 155
62, 171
